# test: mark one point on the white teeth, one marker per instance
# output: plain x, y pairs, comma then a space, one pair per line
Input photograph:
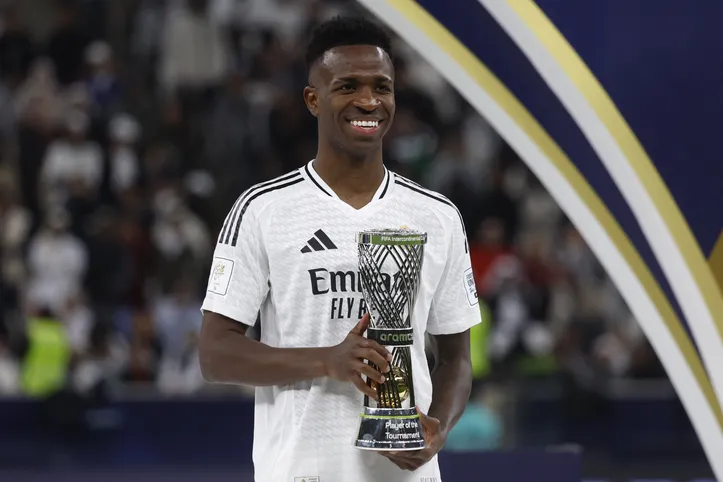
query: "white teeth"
365, 123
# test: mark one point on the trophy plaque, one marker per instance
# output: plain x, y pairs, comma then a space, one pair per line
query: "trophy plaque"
390, 265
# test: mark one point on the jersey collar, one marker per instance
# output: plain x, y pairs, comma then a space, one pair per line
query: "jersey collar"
382, 191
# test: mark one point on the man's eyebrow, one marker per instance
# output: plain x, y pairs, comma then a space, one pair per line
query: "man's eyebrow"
353, 79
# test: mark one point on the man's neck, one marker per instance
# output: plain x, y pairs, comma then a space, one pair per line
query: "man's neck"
354, 180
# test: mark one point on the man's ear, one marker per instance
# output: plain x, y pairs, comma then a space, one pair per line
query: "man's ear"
312, 100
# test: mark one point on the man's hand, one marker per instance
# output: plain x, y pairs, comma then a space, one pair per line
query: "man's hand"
346, 361
434, 438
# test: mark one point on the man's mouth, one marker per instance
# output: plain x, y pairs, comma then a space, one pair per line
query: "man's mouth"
365, 126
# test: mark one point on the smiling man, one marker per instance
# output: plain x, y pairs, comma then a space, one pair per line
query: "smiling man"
287, 255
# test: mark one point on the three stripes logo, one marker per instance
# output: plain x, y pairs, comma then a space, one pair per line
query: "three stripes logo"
319, 242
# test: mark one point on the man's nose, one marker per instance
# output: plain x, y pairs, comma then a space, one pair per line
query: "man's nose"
366, 100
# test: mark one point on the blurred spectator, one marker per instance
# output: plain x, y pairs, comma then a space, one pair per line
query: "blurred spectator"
452, 166
9, 366
180, 239
38, 99
57, 263
144, 351
194, 57
497, 203
506, 300
7, 121
16, 47
15, 224
292, 136
102, 83
538, 211
410, 145
124, 134
480, 427
78, 319
111, 267
410, 97
177, 324
45, 364
575, 256
487, 246
284, 16
146, 36
104, 359
67, 43
270, 63
73, 164
482, 144
229, 134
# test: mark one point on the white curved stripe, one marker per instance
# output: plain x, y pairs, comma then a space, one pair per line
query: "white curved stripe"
652, 223
593, 232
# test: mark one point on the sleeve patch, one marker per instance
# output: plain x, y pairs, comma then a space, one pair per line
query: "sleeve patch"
220, 277
469, 287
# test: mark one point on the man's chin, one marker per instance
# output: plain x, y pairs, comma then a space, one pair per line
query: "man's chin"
362, 146
359, 151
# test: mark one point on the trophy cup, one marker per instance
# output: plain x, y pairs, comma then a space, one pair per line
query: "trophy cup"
390, 265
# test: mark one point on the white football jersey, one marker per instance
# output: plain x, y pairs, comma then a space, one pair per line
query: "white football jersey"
288, 253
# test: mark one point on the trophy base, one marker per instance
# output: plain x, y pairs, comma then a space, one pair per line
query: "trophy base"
393, 429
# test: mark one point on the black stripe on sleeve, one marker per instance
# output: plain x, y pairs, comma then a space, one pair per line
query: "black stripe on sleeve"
254, 196
410, 185
230, 216
244, 196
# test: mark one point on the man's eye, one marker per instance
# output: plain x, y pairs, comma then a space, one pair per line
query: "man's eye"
346, 87
384, 88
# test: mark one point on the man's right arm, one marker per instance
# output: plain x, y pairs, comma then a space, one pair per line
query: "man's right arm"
228, 356
238, 285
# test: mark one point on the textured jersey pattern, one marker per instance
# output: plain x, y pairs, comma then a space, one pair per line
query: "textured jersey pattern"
294, 261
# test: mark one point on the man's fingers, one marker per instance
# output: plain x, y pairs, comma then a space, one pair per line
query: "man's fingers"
429, 423
370, 372
361, 327
409, 456
373, 357
399, 464
364, 388
379, 349
395, 459
403, 464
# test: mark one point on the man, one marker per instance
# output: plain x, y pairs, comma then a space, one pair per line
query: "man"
288, 251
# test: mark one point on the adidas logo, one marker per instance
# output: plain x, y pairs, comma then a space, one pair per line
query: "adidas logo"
319, 242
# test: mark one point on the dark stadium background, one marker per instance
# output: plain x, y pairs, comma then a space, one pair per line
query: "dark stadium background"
127, 130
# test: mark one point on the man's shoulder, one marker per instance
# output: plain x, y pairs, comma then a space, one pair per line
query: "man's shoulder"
424, 197
261, 195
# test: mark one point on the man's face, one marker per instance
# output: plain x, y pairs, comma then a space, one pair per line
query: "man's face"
351, 93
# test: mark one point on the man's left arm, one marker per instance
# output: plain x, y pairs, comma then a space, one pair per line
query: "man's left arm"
454, 311
451, 379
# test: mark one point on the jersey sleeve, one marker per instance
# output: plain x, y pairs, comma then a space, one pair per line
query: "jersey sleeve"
239, 278
455, 307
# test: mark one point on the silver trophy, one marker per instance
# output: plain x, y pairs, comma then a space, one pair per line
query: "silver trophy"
390, 266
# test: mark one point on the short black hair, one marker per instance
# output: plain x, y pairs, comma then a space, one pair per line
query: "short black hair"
340, 31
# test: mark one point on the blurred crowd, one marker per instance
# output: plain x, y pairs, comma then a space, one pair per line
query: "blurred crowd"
127, 130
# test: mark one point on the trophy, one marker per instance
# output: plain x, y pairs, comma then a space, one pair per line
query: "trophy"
390, 265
